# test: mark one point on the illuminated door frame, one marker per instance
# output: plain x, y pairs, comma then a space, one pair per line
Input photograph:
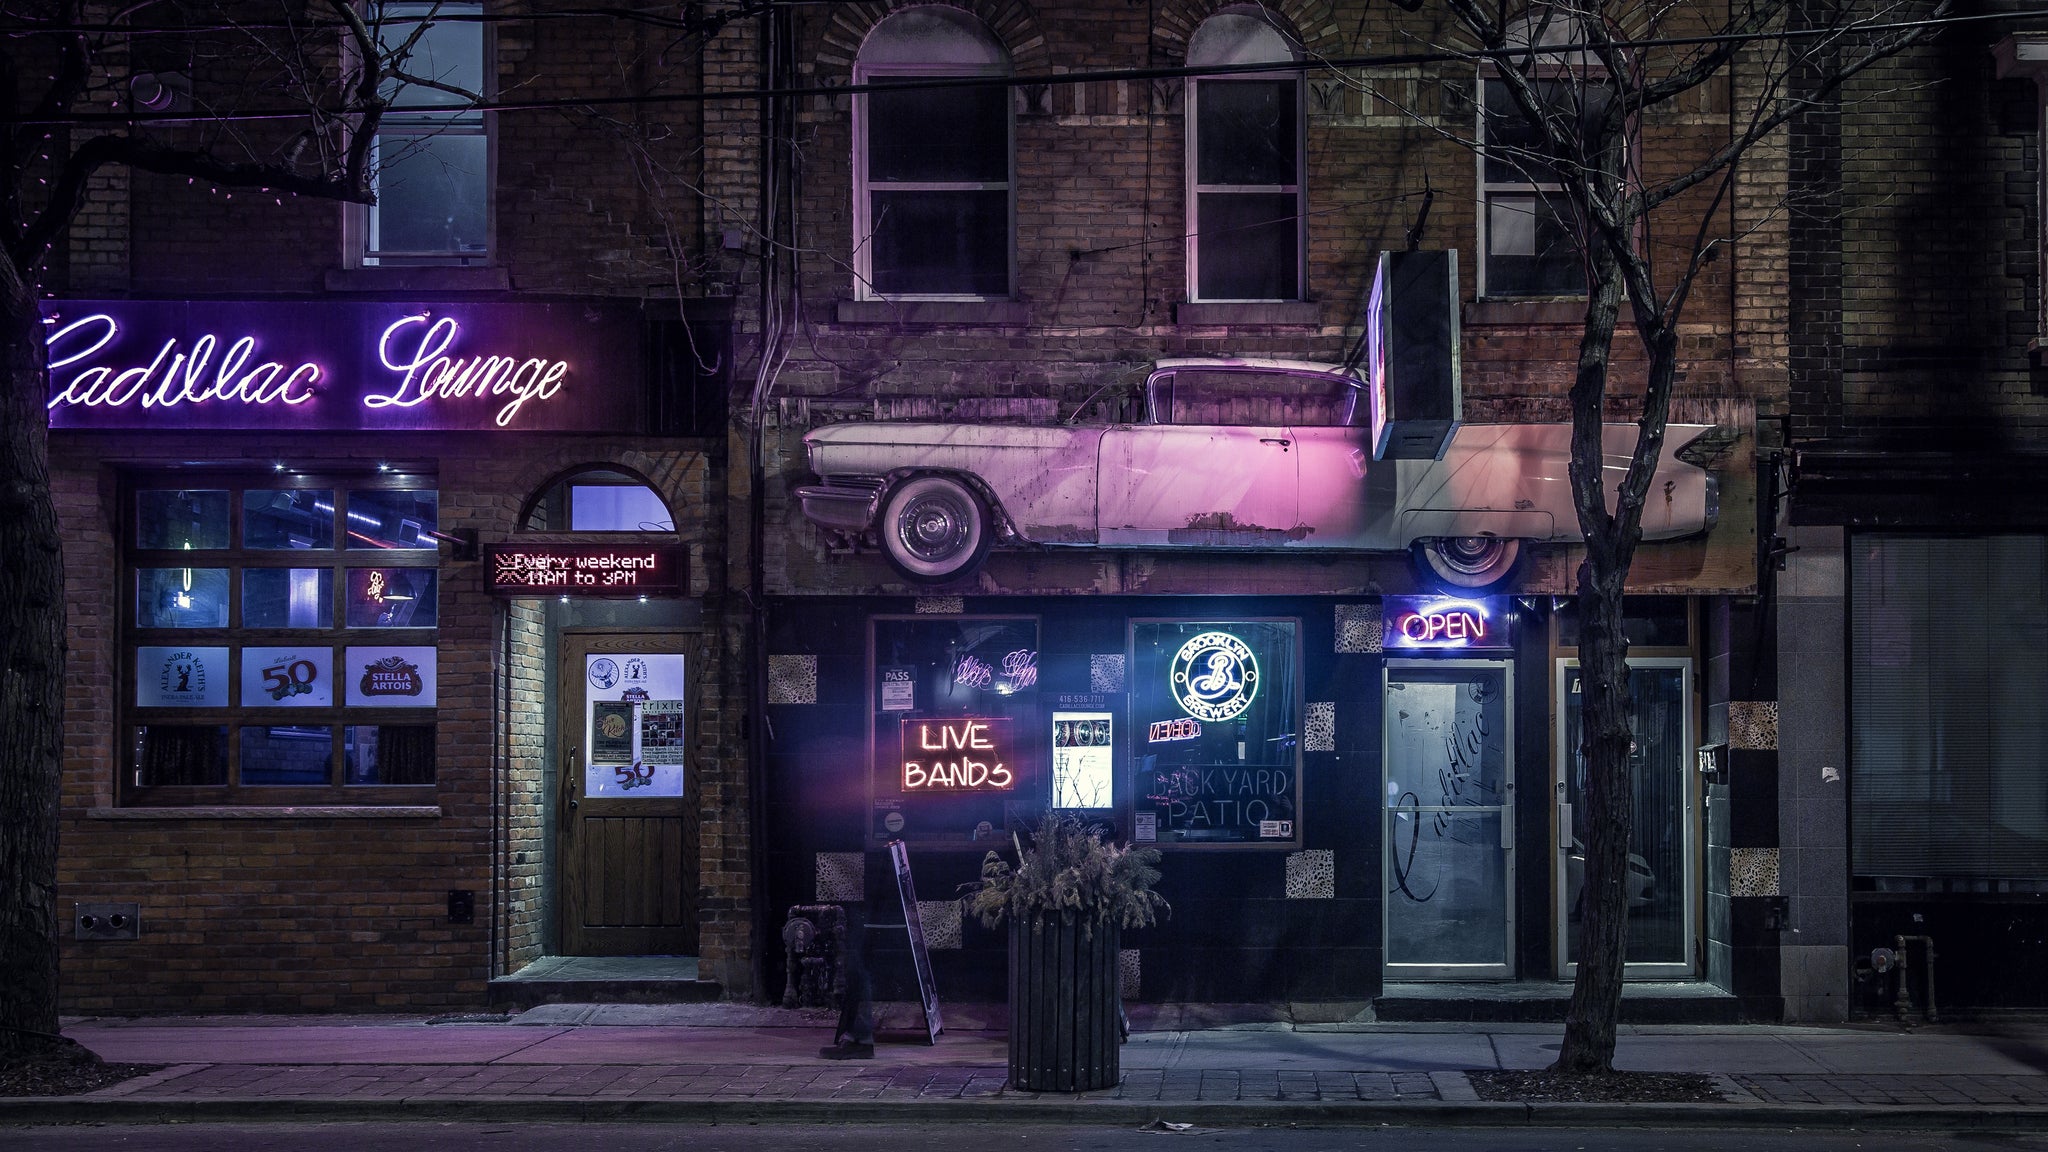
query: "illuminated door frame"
1402, 972
1560, 822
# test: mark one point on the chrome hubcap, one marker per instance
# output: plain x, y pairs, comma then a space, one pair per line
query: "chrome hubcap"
933, 527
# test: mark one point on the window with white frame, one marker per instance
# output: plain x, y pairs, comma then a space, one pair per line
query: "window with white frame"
432, 165
932, 166
1244, 141
1527, 243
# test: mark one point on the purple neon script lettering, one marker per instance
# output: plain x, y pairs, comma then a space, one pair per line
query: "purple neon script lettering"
169, 378
429, 371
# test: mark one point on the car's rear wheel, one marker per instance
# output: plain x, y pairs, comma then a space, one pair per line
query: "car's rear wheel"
934, 529
1474, 562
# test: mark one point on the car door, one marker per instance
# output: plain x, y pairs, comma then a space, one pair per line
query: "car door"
1332, 435
1204, 472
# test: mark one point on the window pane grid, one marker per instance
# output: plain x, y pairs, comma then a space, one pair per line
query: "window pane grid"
238, 668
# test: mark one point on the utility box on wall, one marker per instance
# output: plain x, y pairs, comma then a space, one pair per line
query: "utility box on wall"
1411, 326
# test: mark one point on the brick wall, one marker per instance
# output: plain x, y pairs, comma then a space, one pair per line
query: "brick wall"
290, 913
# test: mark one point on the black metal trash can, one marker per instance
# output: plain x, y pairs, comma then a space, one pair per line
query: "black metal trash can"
1065, 1004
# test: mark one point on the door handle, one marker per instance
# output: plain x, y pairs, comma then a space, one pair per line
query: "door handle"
1275, 440
569, 780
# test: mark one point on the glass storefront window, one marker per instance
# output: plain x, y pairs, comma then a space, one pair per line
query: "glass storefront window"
181, 519
287, 598
955, 735
169, 755
391, 597
245, 652
1215, 713
288, 518
181, 598
388, 754
287, 755
392, 518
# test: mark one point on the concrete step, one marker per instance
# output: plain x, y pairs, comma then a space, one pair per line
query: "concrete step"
1545, 1002
604, 980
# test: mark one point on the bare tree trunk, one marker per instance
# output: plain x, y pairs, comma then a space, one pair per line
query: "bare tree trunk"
31, 683
1589, 1029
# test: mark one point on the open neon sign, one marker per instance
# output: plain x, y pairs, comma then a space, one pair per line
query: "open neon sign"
343, 365
957, 754
1444, 623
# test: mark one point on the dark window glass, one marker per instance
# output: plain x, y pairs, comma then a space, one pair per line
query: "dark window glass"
1245, 131
181, 598
287, 755
432, 194
1648, 621
954, 136
942, 243
181, 519
393, 519
181, 754
1946, 681
1249, 246
1516, 151
294, 518
1530, 251
392, 597
287, 598
389, 753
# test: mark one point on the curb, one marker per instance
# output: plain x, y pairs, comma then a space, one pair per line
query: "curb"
49, 1110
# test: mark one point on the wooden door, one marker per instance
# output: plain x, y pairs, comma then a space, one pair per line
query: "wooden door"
626, 812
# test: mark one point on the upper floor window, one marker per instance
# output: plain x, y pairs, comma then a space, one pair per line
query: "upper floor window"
932, 166
1244, 138
432, 166
1527, 240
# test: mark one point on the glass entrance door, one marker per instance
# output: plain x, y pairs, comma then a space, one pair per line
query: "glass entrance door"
1660, 880
1450, 819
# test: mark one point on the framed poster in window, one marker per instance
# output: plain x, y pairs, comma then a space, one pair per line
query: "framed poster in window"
1215, 716
956, 751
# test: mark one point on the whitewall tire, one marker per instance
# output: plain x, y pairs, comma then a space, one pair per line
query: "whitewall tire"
934, 529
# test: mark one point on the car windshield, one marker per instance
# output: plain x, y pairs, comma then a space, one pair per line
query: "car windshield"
1256, 397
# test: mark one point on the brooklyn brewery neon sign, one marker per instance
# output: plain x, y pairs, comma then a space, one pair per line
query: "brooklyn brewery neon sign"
152, 364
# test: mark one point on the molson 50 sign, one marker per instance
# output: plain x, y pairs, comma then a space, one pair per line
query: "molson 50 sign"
343, 365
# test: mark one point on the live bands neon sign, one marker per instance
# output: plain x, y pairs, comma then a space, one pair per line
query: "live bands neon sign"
1446, 623
957, 754
348, 364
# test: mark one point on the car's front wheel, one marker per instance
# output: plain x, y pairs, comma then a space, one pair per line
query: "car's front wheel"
1476, 562
934, 529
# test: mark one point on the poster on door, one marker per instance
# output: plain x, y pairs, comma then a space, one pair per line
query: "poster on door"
635, 725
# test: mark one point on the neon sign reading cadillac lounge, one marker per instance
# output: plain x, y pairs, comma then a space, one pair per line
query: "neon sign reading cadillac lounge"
341, 365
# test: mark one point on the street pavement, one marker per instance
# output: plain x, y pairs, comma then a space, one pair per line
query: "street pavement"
743, 1063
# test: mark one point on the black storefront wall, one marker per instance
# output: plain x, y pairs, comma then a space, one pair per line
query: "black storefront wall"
1240, 931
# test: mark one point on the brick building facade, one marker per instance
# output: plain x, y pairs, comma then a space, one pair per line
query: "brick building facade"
1083, 259
1907, 804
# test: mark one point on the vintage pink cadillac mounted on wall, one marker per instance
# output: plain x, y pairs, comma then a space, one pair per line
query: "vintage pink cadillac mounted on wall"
1269, 455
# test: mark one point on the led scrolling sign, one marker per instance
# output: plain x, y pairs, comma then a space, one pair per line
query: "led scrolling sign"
342, 365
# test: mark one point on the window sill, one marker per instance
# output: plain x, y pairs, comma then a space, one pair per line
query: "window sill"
272, 812
1006, 313
418, 278
1565, 310
1278, 313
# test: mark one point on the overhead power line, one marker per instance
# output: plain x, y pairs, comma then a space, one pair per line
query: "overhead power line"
1346, 63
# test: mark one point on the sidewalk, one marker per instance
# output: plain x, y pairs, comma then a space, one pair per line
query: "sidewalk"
737, 1062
